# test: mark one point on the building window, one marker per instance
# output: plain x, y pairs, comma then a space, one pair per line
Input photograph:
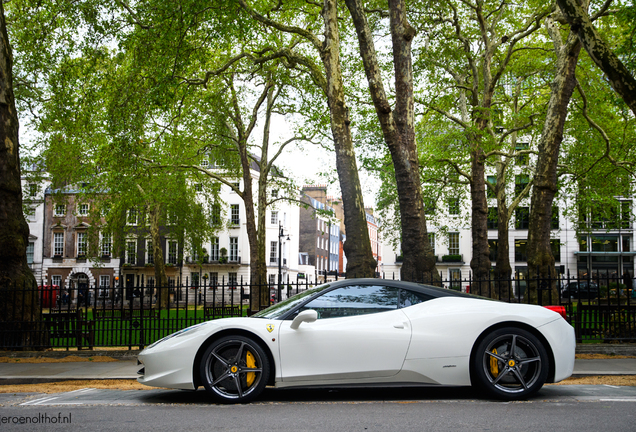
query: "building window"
491, 181
274, 220
198, 187
431, 242
233, 249
104, 284
555, 245
429, 205
58, 244
274, 193
273, 252
81, 244
29, 252
493, 218
605, 243
234, 214
214, 278
56, 280
107, 244
626, 214
453, 206
453, 243
205, 163
554, 222
131, 252
522, 159
232, 279
521, 250
172, 251
60, 210
272, 279
150, 254
214, 250
132, 217
455, 276
522, 218
215, 215
82, 210
33, 189
492, 249
521, 181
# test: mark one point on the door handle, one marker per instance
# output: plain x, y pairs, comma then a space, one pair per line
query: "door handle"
399, 325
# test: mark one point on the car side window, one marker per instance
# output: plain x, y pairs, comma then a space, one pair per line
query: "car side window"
354, 300
410, 298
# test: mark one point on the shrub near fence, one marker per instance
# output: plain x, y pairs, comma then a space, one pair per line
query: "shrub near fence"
86, 317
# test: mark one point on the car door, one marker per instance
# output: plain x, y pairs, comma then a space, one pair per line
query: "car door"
360, 333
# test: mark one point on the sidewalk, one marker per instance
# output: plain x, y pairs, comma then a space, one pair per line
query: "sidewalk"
29, 373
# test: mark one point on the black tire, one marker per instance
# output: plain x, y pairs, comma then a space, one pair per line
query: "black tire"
234, 369
510, 363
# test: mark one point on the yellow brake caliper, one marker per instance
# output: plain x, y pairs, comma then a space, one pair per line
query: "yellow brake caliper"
494, 365
250, 362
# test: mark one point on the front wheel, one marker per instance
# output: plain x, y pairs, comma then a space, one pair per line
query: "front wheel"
510, 363
234, 369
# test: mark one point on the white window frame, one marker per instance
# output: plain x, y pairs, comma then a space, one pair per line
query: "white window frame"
235, 214
131, 253
172, 255
58, 246
82, 244
83, 209
214, 249
233, 253
274, 218
30, 252
59, 210
150, 257
56, 280
132, 212
273, 252
106, 244
453, 246
104, 285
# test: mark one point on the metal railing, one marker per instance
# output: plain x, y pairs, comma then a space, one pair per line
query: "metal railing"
601, 308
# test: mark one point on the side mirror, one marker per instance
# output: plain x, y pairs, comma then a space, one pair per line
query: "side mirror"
308, 315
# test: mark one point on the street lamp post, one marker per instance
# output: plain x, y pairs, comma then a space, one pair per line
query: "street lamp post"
281, 234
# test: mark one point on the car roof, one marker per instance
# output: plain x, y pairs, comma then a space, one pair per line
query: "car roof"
429, 290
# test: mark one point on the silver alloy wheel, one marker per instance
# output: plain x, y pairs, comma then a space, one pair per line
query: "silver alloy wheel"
233, 369
512, 363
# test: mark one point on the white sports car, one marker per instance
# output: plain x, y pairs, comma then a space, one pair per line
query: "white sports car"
369, 332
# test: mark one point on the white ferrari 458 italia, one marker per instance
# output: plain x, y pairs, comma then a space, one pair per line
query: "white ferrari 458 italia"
368, 332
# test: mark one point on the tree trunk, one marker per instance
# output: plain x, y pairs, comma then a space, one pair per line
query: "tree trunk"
398, 128
617, 74
19, 310
541, 270
161, 281
503, 269
357, 247
480, 262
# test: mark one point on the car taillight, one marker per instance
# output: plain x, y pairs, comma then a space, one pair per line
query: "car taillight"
558, 309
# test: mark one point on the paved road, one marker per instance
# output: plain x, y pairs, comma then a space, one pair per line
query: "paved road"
559, 408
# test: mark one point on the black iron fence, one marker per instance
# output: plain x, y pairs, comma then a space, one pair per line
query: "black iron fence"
85, 317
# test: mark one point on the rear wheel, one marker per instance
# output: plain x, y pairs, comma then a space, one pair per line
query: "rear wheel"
234, 369
510, 363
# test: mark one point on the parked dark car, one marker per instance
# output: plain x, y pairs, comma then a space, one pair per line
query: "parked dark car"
582, 289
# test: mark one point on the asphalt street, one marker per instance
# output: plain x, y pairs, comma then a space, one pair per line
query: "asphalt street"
562, 408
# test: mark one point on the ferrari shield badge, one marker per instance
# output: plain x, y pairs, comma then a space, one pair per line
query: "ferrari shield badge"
270, 327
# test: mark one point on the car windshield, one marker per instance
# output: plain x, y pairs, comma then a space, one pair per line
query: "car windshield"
283, 307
